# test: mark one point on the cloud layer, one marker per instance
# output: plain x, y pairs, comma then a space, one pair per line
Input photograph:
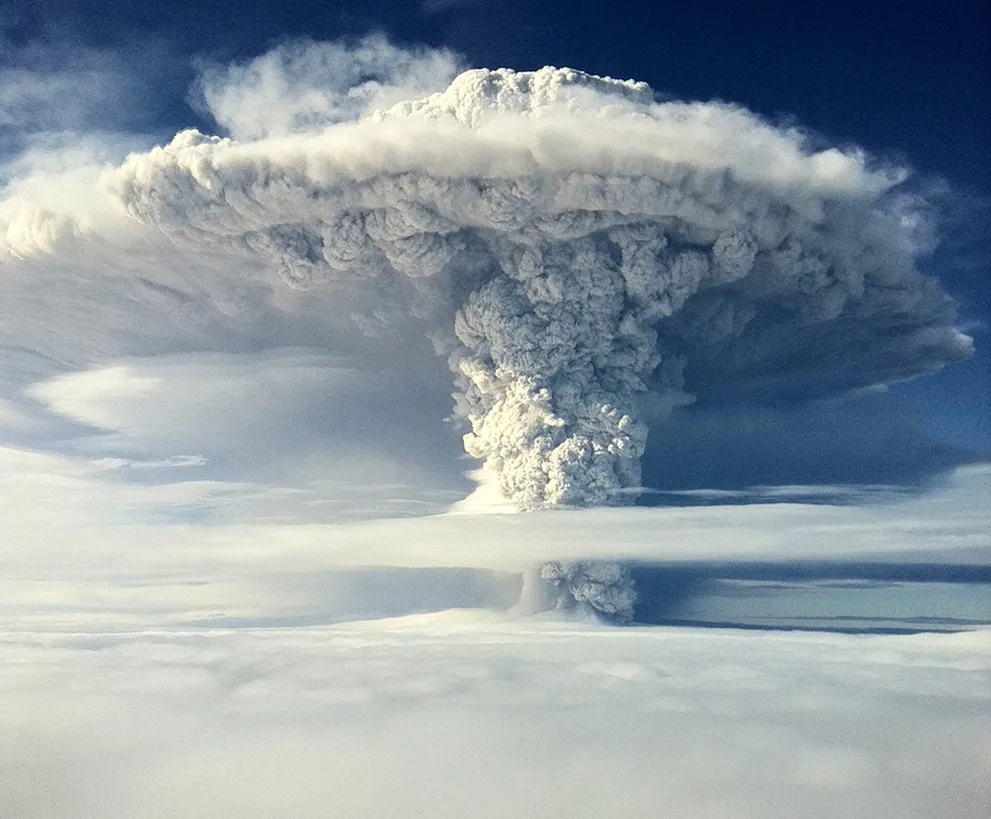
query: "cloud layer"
442, 716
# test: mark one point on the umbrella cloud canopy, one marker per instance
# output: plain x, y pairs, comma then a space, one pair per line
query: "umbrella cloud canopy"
587, 257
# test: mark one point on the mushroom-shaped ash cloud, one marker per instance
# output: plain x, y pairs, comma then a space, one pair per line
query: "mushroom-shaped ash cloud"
587, 257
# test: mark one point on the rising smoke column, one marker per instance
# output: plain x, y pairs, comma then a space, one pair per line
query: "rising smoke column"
579, 251
585, 256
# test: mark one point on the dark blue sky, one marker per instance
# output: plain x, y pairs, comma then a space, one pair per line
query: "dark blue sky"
910, 83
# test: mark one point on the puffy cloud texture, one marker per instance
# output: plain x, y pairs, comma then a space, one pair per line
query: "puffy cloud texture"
305, 85
587, 257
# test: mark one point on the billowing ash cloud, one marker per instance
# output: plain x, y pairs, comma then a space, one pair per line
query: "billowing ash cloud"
588, 258
606, 588
303, 85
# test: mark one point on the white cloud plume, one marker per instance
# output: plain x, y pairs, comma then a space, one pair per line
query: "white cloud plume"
576, 248
462, 216
304, 85
588, 259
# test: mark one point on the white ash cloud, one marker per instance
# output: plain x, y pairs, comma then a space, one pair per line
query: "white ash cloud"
302, 85
587, 257
607, 589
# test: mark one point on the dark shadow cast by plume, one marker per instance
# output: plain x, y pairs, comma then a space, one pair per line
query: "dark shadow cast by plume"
832, 596
868, 440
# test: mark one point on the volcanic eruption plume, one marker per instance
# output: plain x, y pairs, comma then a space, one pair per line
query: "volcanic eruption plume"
585, 256
580, 252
